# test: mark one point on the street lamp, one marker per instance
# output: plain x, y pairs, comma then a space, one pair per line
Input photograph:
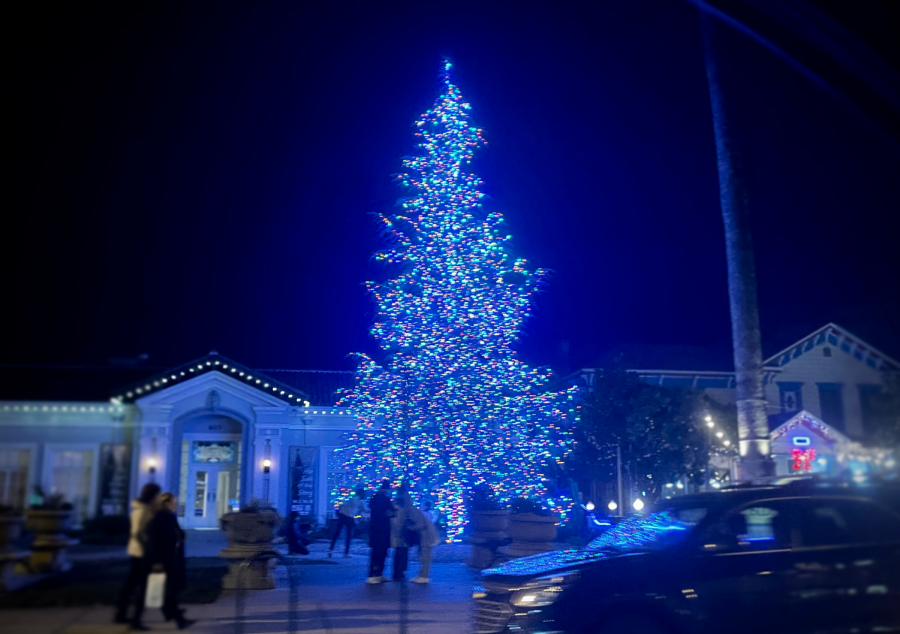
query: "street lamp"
638, 504
612, 506
589, 506
267, 465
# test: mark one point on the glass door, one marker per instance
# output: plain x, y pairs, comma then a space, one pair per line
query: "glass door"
201, 496
211, 485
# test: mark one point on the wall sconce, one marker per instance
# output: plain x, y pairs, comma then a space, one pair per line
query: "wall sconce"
151, 465
267, 464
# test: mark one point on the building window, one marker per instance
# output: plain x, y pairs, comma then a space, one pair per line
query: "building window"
115, 478
13, 477
338, 478
872, 414
791, 396
831, 404
826, 351
213, 451
71, 476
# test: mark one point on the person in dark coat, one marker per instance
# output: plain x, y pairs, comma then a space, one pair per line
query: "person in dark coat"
165, 553
381, 510
401, 523
295, 533
346, 518
142, 510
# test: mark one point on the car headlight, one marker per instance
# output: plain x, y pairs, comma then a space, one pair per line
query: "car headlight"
543, 590
536, 598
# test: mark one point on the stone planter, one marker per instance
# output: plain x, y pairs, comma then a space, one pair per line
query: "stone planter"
50, 541
249, 549
531, 534
489, 532
490, 521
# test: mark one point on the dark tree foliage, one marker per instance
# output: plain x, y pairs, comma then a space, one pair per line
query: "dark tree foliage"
658, 429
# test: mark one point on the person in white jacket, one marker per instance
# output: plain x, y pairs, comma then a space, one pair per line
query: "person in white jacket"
142, 510
428, 539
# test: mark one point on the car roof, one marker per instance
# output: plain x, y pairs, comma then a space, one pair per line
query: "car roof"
786, 488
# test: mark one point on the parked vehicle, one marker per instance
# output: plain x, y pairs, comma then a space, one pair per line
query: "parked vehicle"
763, 559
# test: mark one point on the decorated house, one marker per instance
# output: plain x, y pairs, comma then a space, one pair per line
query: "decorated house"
826, 382
805, 444
213, 431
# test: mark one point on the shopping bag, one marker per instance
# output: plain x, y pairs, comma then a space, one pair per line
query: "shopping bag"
156, 588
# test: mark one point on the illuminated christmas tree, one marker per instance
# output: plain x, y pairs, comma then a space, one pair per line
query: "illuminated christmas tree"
451, 406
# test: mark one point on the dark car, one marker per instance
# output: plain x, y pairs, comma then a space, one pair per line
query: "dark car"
795, 558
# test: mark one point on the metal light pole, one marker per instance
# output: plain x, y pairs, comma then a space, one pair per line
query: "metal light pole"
619, 476
709, 428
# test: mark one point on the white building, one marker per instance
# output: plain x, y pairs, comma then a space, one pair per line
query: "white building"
213, 431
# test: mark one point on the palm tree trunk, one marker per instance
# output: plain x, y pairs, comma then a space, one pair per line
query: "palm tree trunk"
753, 424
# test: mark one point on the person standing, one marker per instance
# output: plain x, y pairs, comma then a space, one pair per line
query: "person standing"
400, 524
165, 553
346, 517
429, 512
422, 523
296, 540
380, 509
142, 510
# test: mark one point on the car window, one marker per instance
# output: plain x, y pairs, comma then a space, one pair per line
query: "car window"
759, 526
837, 522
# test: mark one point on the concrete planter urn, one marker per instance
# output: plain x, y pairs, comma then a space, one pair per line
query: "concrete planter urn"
250, 533
531, 534
50, 541
490, 521
489, 532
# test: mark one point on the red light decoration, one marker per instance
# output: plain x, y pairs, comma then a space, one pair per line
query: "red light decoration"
803, 459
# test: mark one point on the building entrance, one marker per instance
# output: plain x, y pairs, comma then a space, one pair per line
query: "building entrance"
210, 480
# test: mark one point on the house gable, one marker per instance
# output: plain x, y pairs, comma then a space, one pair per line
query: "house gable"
218, 388
839, 341
276, 390
813, 424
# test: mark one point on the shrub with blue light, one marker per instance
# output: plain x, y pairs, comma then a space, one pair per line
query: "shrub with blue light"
451, 407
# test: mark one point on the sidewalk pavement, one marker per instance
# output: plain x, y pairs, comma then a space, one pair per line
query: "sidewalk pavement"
327, 599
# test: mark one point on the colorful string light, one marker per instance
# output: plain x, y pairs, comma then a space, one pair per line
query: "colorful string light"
451, 407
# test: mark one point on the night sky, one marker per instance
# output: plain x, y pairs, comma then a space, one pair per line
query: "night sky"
205, 176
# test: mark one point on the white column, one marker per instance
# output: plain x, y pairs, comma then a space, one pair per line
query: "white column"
267, 445
153, 458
